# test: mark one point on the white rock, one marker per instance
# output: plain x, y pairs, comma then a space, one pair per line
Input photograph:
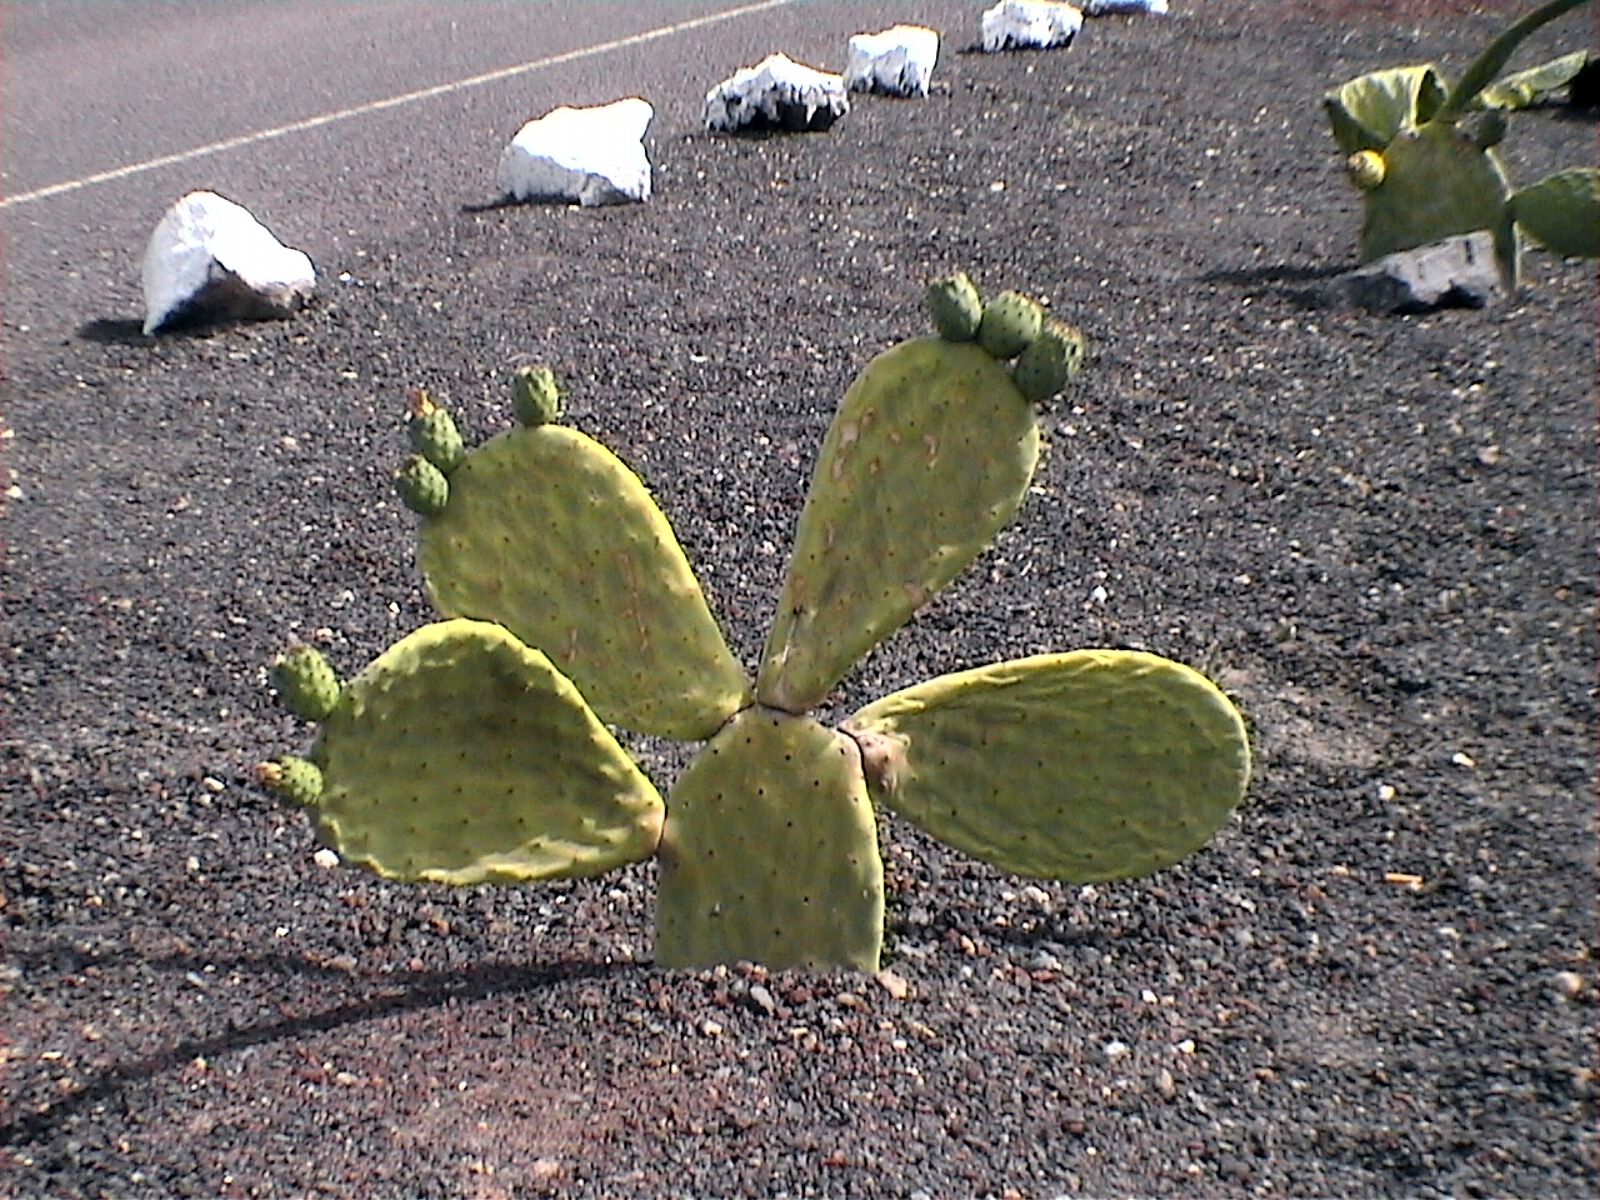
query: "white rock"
210, 257
590, 155
898, 62
777, 93
1040, 24
1106, 8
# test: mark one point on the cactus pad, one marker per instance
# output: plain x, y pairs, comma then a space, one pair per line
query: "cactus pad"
434, 434
535, 395
1092, 765
1562, 212
422, 486
306, 683
297, 780
956, 308
1369, 112
1010, 321
1437, 183
770, 852
1050, 362
461, 756
550, 535
930, 453
1523, 88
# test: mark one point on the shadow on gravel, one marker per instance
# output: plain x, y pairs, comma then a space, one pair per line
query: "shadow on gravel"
108, 331
111, 331
424, 991
1296, 284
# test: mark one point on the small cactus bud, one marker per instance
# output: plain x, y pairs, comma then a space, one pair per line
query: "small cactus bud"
1366, 169
1010, 322
307, 683
1050, 361
434, 434
535, 395
296, 780
422, 486
956, 307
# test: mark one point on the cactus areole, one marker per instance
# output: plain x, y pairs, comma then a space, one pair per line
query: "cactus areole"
478, 749
1423, 155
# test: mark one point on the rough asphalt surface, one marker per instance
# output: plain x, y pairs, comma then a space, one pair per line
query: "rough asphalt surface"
1376, 533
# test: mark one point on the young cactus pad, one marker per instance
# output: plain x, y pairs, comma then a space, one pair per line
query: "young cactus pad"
770, 852
464, 754
549, 534
1087, 766
1426, 173
929, 455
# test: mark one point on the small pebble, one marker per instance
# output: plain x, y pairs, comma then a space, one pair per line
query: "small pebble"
894, 985
1569, 983
761, 998
325, 858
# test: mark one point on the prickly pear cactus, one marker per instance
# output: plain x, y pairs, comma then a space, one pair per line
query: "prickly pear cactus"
1423, 154
476, 749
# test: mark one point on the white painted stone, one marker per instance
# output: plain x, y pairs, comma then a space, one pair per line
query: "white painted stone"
1457, 272
1108, 8
776, 93
210, 258
1037, 24
898, 62
588, 155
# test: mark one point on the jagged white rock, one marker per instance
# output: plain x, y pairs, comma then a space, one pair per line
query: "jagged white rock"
777, 93
211, 257
899, 61
1040, 24
1106, 8
591, 155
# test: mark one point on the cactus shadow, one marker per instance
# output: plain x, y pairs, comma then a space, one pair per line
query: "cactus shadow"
1305, 286
383, 999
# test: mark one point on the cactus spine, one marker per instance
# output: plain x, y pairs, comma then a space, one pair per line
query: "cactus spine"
469, 751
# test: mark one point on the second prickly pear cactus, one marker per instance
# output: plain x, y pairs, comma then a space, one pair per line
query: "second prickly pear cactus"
1423, 155
475, 750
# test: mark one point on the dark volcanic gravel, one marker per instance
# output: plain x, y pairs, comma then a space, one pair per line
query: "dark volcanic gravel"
1378, 534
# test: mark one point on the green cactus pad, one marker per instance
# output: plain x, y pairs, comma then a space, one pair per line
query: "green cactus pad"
770, 852
1437, 183
1369, 112
1523, 88
434, 434
535, 395
1562, 212
1481, 72
956, 307
549, 534
929, 454
1050, 362
1010, 322
422, 486
1093, 765
461, 756
297, 780
306, 682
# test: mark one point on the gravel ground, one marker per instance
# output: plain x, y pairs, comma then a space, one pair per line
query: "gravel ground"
1376, 533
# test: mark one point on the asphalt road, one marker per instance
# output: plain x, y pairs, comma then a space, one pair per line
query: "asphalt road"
371, 113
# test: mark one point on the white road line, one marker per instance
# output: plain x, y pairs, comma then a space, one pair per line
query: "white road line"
442, 89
